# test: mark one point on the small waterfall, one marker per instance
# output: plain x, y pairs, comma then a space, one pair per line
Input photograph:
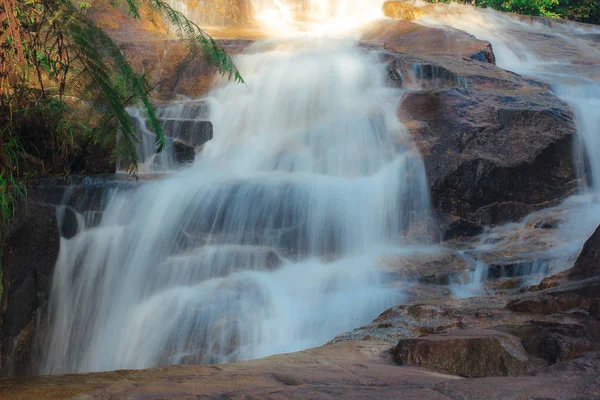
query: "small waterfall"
560, 54
269, 243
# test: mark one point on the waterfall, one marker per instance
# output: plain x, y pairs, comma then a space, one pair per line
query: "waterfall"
270, 242
557, 53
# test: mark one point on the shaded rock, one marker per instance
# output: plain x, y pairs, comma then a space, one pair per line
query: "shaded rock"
455, 227
569, 296
30, 252
555, 342
485, 151
32, 243
472, 354
400, 10
189, 131
183, 153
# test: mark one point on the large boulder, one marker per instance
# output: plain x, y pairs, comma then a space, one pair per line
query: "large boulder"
411, 38
493, 155
473, 354
496, 145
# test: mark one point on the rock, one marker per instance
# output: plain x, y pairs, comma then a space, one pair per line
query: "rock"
453, 227
472, 354
30, 252
436, 266
410, 38
32, 243
361, 370
493, 156
487, 136
189, 131
183, 153
402, 11
560, 342
579, 295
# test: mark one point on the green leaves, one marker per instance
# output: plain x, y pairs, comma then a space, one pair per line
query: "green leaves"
577, 10
199, 42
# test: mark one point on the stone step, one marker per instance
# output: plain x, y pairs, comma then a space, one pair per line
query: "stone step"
189, 131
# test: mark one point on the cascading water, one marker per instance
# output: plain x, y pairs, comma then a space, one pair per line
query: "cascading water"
269, 243
561, 54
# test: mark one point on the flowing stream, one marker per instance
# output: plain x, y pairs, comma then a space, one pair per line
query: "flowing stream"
271, 241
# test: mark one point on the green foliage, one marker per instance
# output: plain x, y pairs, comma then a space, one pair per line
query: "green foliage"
577, 10
64, 84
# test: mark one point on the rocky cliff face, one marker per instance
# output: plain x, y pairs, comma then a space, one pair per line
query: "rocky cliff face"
32, 244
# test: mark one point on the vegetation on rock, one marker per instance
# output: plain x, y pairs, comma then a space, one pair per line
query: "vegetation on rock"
65, 86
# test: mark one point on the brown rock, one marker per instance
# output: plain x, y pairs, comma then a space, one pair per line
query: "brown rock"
486, 150
466, 353
578, 295
409, 37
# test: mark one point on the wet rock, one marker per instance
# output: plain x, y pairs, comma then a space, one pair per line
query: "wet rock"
455, 227
400, 10
493, 157
30, 252
436, 267
183, 153
466, 353
496, 145
191, 132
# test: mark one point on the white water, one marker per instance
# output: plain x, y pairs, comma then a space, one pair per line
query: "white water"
309, 164
270, 242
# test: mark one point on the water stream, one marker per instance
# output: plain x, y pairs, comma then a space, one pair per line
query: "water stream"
271, 241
